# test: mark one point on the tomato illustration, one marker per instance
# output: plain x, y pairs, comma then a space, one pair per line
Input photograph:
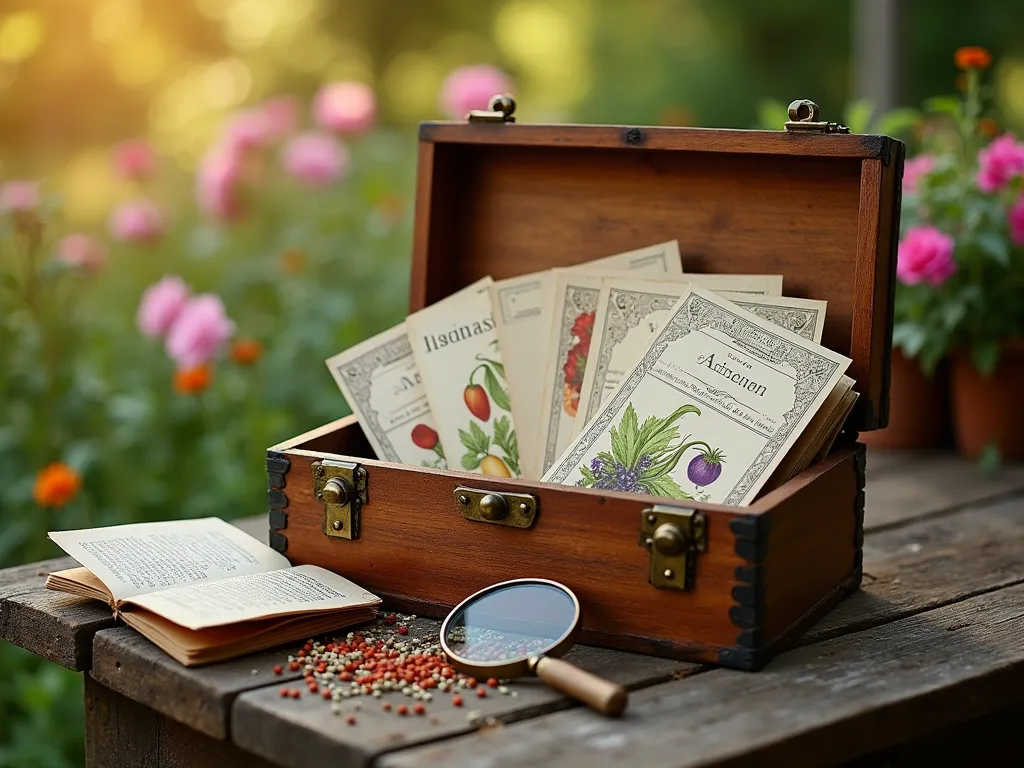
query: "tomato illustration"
477, 402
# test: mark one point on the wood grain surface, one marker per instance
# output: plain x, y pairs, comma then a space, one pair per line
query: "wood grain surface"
815, 705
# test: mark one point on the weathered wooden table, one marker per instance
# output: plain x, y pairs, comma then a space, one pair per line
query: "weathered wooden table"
925, 663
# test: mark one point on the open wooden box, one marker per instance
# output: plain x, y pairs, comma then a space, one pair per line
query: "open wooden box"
818, 206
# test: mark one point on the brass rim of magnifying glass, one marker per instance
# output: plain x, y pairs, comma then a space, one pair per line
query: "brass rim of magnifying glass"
521, 665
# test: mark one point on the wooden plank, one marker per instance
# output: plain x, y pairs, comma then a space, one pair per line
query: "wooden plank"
307, 733
200, 697
121, 733
815, 705
934, 484
57, 626
929, 563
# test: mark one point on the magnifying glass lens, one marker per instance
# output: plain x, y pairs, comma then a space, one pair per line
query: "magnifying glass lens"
511, 623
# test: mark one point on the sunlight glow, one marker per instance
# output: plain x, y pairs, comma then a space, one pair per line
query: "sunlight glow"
225, 83
114, 20
20, 35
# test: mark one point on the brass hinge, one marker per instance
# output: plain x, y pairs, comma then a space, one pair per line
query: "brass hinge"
341, 487
803, 117
499, 111
517, 510
673, 536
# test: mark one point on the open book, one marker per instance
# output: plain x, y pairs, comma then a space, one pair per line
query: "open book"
204, 591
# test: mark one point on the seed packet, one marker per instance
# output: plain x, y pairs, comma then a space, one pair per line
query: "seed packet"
455, 345
714, 404
383, 388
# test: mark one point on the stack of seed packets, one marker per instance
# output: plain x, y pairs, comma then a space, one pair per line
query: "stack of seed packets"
571, 376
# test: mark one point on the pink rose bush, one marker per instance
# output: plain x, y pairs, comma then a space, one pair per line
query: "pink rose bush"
1015, 218
19, 196
999, 162
346, 108
199, 332
161, 305
915, 169
135, 160
82, 252
137, 221
315, 159
926, 256
220, 189
472, 87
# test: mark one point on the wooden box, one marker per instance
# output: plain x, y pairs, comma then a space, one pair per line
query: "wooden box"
819, 206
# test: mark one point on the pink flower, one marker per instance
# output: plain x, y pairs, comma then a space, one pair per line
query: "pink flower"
135, 160
137, 221
315, 159
925, 256
915, 169
345, 107
199, 332
161, 305
248, 130
219, 185
18, 196
82, 252
1016, 219
473, 87
281, 114
999, 162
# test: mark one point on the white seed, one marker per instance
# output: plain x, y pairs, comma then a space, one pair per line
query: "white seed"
503, 690
336, 709
376, 693
427, 697
407, 691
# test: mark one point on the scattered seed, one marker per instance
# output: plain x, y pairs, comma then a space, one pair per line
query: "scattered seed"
278, 669
284, 693
402, 709
351, 719
492, 682
503, 690
419, 709
295, 693
386, 706
403, 630
456, 700
336, 709
481, 692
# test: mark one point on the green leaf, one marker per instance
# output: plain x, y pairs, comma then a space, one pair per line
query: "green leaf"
897, 122
624, 439
470, 461
990, 459
945, 105
985, 355
588, 476
476, 439
494, 388
857, 115
505, 438
910, 337
497, 366
666, 486
994, 246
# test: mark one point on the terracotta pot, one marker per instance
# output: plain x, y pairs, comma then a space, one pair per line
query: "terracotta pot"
918, 410
990, 410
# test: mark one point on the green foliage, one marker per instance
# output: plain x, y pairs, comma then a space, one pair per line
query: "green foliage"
305, 273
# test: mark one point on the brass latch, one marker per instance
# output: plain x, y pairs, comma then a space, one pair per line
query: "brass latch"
517, 510
674, 537
341, 486
500, 111
803, 116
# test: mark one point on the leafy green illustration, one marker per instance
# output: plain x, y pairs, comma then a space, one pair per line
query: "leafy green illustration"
495, 390
642, 456
505, 438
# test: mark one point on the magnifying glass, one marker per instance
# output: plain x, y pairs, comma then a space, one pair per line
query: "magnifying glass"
520, 627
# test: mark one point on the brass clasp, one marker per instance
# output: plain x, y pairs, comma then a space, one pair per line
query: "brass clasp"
517, 510
500, 111
803, 116
673, 537
341, 486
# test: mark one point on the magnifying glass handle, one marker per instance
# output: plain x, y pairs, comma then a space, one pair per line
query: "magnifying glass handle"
597, 693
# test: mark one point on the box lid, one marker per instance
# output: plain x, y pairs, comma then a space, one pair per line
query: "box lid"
817, 206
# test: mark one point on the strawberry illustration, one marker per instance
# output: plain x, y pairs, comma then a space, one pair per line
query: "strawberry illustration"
477, 402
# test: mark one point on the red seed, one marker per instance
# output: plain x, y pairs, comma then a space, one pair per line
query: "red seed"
419, 709
293, 666
456, 701
295, 693
403, 710
326, 694
481, 692
403, 630
387, 706
278, 669
284, 693
351, 719
313, 687
471, 682
301, 654
492, 682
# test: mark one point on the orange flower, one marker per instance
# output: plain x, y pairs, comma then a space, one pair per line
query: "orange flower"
988, 127
246, 351
293, 261
56, 485
972, 57
192, 381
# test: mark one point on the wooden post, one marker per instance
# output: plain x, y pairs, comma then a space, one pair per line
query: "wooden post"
877, 70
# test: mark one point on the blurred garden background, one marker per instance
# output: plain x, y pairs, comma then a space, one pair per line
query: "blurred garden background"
202, 200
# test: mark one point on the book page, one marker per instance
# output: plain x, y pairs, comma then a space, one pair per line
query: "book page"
714, 404
135, 559
383, 387
300, 589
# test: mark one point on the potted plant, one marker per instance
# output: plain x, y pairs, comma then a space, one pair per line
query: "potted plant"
960, 267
